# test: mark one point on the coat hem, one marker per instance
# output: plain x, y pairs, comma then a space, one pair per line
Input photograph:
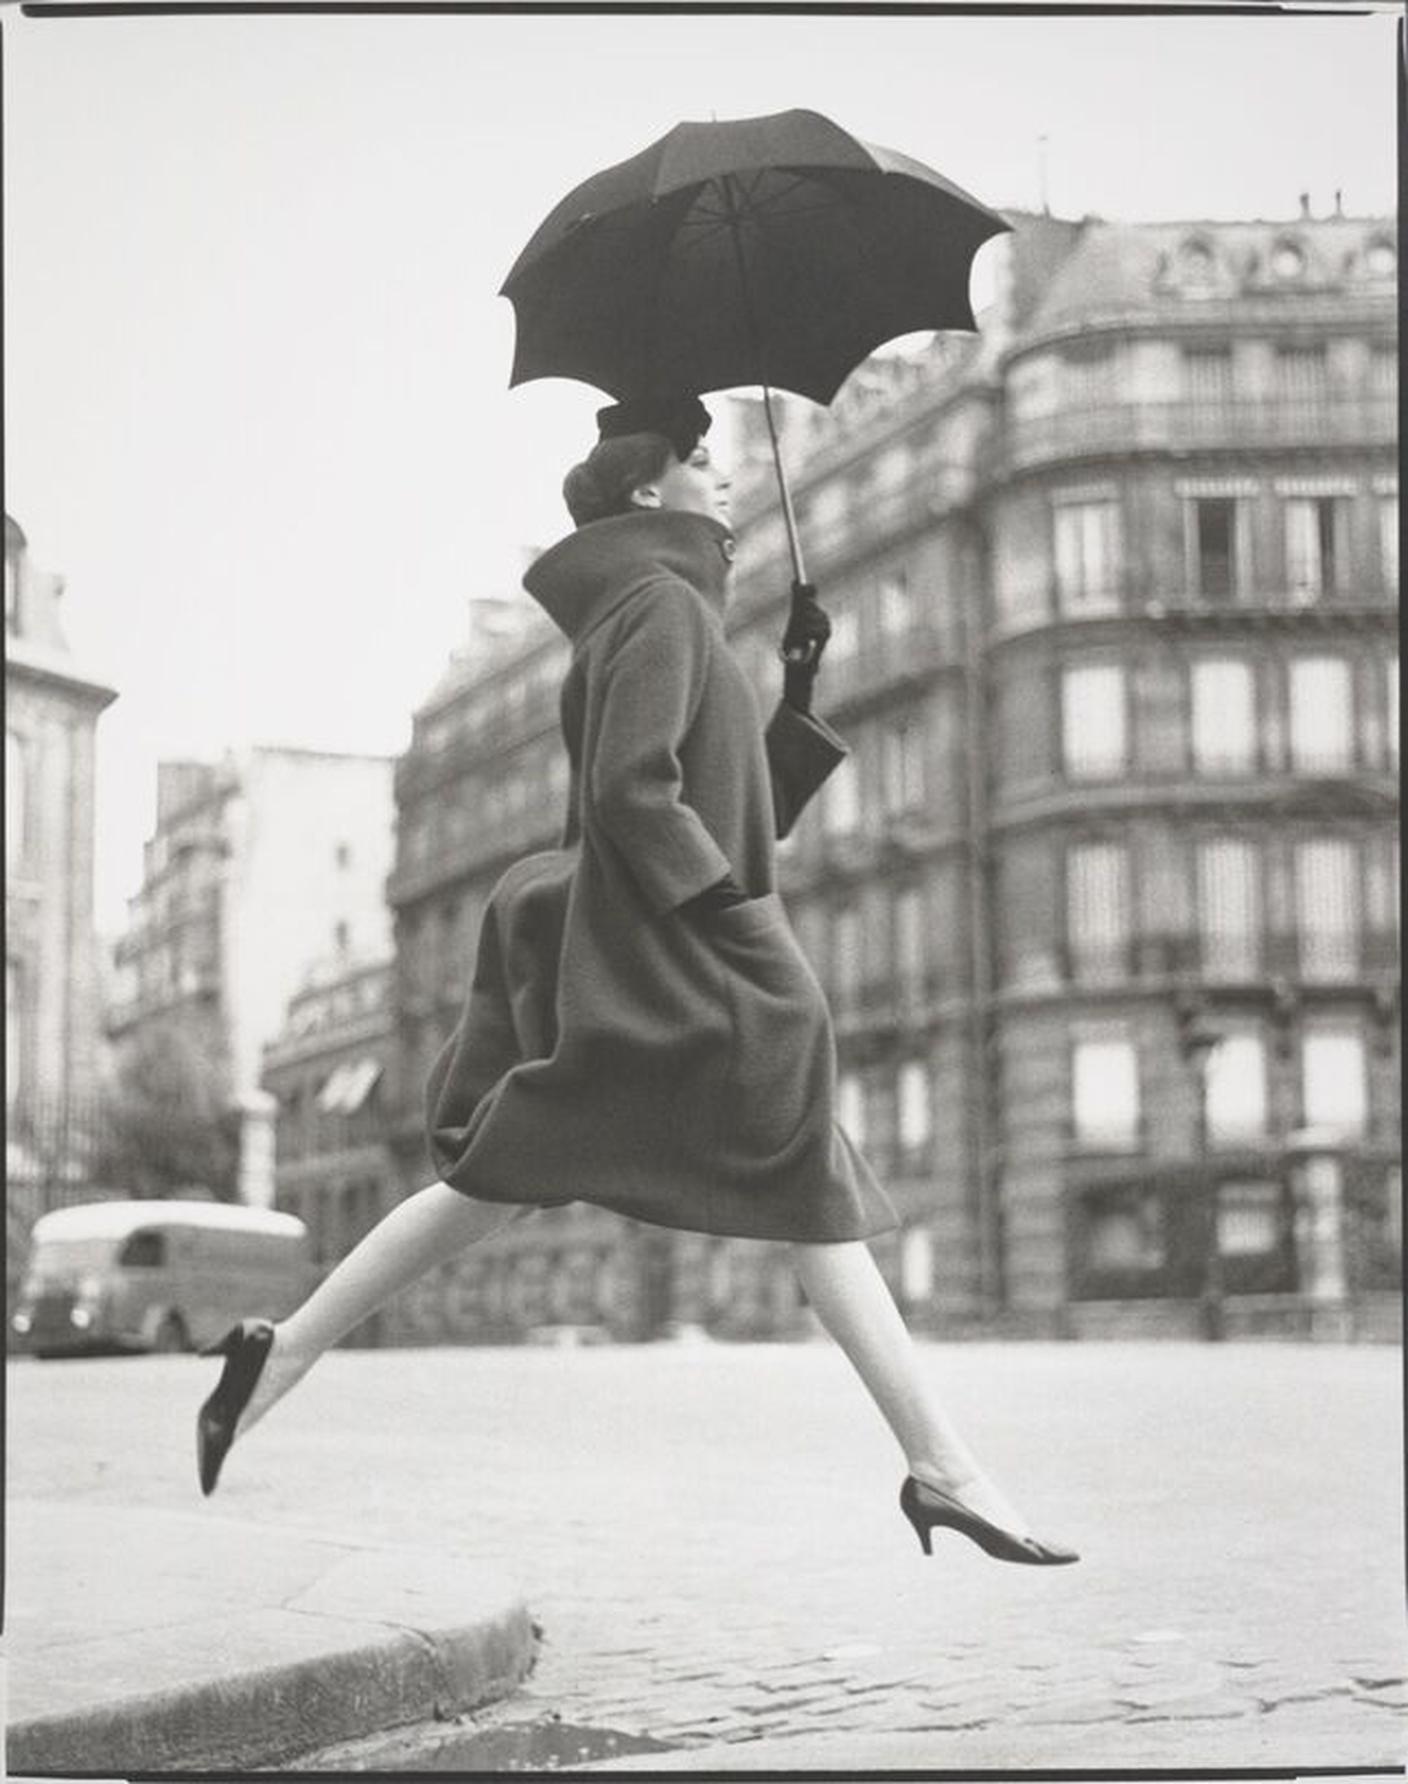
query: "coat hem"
717, 1230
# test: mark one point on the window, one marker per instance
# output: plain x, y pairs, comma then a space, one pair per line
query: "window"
1314, 560
1327, 908
847, 956
1094, 737
1195, 263
1236, 1090
144, 1251
1207, 377
1251, 1220
1105, 1093
1388, 543
1097, 910
1088, 379
829, 506
1322, 729
917, 1265
1213, 545
1391, 708
341, 936
1334, 1080
1124, 1233
903, 766
915, 1107
16, 799
909, 943
1300, 375
850, 1107
1224, 716
12, 594
1229, 908
810, 928
845, 636
1088, 556
841, 800
896, 604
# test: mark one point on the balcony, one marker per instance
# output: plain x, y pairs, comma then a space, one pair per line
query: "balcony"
1117, 430
895, 664
445, 863
1219, 960
872, 521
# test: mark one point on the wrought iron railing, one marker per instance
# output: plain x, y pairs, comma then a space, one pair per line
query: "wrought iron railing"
1120, 428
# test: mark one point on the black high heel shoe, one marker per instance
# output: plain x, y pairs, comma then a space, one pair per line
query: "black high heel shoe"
245, 1348
929, 1509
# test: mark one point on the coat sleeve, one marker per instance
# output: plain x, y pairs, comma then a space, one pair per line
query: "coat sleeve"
802, 751
652, 681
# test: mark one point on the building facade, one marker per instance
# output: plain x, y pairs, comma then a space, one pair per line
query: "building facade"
1105, 898
1108, 912
258, 865
52, 1013
327, 1071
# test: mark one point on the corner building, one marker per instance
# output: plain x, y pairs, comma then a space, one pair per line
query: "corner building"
326, 1071
1105, 898
52, 978
1108, 911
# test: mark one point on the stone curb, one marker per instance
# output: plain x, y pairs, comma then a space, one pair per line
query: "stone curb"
268, 1716
265, 1687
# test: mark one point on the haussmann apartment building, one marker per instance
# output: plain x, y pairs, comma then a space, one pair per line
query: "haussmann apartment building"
1106, 897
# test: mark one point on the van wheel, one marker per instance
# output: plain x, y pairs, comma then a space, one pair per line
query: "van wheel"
171, 1337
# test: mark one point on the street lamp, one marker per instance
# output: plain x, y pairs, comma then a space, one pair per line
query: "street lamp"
1198, 1040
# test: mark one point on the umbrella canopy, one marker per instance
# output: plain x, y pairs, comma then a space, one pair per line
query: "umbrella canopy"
777, 251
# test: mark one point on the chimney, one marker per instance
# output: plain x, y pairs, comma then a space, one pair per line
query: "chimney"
1305, 207
1339, 202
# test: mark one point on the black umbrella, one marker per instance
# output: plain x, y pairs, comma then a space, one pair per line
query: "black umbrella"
777, 251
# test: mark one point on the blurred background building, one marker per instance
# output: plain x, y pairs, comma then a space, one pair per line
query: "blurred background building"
52, 999
327, 1071
1106, 898
259, 864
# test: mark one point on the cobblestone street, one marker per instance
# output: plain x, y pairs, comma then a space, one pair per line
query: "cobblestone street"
709, 1536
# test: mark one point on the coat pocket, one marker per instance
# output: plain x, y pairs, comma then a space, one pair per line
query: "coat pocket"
779, 1076
753, 917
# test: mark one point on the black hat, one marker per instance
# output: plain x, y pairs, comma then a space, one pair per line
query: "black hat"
683, 420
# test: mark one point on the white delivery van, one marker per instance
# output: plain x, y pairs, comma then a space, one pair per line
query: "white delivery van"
155, 1275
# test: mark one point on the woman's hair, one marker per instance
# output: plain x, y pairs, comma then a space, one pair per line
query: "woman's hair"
601, 485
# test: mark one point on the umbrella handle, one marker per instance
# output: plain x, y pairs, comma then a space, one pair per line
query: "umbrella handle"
806, 652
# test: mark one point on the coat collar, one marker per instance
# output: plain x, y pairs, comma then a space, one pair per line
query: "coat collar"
583, 577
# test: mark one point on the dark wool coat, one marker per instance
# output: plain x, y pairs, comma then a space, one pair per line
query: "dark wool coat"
677, 1067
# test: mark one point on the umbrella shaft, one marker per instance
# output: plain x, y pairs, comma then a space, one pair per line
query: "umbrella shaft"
794, 543
735, 218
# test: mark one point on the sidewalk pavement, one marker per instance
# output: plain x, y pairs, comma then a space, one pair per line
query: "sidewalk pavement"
142, 1639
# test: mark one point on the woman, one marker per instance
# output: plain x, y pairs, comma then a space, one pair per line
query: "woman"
643, 1031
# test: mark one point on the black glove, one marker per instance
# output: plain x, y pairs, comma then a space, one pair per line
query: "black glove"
718, 897
808, 630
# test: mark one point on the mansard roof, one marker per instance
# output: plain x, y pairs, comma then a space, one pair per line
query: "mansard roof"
1132, 270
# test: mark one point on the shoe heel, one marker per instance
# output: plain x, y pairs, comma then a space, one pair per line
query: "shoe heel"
917, 1521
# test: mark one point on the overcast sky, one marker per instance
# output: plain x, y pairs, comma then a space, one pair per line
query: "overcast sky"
256, 378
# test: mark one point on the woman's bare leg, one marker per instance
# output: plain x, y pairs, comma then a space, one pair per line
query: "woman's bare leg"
851, 1299
422, 1231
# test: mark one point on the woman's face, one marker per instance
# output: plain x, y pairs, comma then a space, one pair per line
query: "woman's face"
695, 485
